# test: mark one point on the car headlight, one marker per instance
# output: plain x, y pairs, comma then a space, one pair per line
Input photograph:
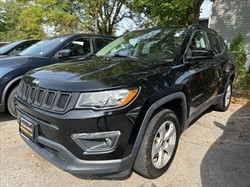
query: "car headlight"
106, 99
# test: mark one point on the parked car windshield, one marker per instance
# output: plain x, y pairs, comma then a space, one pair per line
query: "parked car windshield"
43, 47
9, 46
160, 43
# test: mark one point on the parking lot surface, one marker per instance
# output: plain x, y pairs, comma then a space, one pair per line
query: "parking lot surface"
213, 152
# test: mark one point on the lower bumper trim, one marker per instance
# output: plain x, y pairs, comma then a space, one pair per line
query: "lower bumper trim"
59, 156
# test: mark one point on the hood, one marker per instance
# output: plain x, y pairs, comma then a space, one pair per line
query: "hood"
32, 62
13, 61
94, 74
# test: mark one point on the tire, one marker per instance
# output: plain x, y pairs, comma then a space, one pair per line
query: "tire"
225, 102
11, 103
157, 150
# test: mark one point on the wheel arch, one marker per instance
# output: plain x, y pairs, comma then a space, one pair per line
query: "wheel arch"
165, 102
231, 76
14, 82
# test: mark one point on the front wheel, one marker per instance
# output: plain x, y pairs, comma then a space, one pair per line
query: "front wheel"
159, 145
11, 102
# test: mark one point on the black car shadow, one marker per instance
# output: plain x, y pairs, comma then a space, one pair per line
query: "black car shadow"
6, 116
227, 161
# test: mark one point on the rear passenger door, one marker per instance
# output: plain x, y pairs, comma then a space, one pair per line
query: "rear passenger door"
219, 61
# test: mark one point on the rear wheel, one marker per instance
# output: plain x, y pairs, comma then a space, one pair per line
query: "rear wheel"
11, 103
159, 145
225, 102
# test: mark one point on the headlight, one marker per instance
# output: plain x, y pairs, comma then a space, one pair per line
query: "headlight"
106, 99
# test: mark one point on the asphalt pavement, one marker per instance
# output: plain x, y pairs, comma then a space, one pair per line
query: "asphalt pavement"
213, 152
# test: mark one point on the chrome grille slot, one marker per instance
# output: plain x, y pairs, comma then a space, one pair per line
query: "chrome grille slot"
31, 95
39, 97
49, 99
20, 90
25, 92
62, 101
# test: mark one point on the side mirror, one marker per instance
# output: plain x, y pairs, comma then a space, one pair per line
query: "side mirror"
199, 54
202, 53
63, 53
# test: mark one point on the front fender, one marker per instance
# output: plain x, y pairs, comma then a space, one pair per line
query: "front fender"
150, 112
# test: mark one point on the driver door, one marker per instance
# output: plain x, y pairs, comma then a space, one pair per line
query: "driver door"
201, 72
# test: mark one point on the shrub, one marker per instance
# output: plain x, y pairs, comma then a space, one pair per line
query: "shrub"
242, 79
237, 43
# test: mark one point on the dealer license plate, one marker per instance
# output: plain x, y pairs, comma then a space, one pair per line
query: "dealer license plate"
27, 129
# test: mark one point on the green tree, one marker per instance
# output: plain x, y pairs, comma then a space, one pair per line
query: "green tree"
9, 13
237, 48
9, 20
2, 18
238, 43
67, 16
46, 14
169, 12
102, 16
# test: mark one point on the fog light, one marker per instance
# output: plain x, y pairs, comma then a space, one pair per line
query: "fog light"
109, 142
97, 142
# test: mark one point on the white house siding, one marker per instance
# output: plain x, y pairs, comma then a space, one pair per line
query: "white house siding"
228, 17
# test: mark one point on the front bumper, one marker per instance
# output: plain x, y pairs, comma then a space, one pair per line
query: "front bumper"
53, 140
63, 159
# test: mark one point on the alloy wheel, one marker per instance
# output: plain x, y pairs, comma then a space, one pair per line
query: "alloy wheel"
163, 144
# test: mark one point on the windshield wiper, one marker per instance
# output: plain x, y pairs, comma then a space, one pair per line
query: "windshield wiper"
119, 55
91, 54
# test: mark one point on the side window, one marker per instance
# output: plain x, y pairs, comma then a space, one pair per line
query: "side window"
198, 41
214, 44
101, 42
21, 47
79, 47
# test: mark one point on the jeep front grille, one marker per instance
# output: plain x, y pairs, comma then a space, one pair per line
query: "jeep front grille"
44, 98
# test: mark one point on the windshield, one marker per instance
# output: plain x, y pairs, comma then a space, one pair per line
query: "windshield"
43, 47
160, 43
9, 46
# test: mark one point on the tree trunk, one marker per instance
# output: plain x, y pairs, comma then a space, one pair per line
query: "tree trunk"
194, 11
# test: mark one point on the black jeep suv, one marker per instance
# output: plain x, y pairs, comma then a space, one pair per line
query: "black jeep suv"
125, 107
46, 52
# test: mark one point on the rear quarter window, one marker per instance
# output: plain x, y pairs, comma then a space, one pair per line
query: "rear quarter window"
223, 43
